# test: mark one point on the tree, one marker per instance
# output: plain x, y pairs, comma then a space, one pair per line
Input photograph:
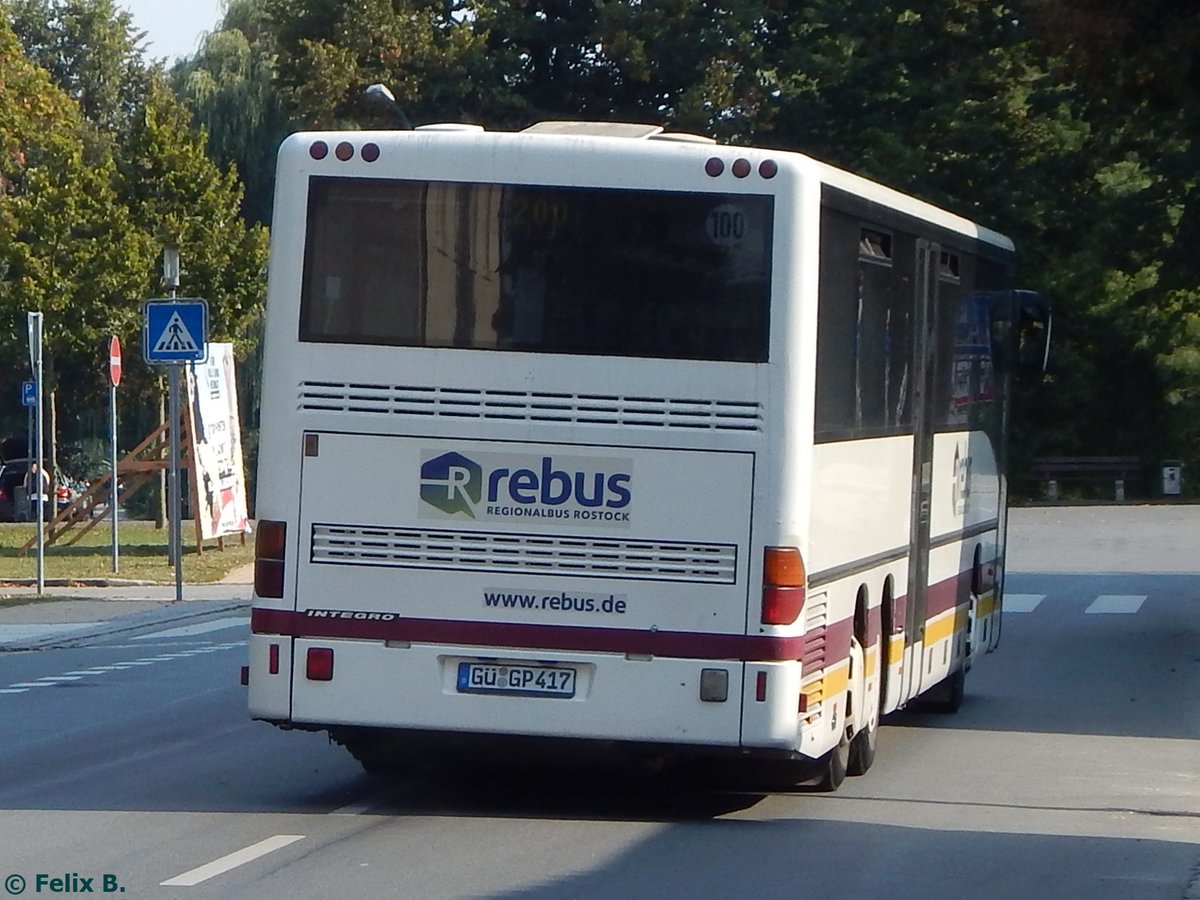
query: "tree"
91, 50
693, 64
90, 201
230, 85
67, 248
328, 52
177, 195
1135, 273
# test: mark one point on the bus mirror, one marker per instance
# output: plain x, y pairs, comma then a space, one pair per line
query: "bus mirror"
1033, 331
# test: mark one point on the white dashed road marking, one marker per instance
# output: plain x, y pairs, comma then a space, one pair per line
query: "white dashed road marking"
21, 687
238, 858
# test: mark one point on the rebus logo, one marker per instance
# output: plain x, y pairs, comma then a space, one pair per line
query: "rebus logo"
504, 486
452, 483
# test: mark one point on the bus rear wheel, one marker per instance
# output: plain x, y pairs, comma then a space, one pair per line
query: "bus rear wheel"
947, 696
833, 766
862, 750
862, 745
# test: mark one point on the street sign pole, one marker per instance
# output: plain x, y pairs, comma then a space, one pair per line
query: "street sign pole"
174, 511
35, 358
174, 333
114, 378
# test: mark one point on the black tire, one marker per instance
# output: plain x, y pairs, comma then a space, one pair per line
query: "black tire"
373, 756
832, 766
862, 750
947, 696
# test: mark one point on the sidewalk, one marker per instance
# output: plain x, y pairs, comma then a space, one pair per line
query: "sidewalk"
98, 607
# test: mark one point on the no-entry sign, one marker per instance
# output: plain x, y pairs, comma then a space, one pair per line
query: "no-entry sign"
114, 360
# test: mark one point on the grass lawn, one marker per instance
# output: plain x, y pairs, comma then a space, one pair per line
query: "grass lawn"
143, 554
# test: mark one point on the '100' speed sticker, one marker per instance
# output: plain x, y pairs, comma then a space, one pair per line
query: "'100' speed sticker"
726, 225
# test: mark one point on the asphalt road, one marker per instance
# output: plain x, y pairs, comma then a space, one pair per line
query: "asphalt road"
1072, 771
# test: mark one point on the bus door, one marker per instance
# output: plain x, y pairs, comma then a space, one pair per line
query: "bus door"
924, 371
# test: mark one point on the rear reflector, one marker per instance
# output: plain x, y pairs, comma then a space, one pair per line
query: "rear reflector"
245, 676
273, 659
784, 581
760, 687
714, 685
269, 545
319, 664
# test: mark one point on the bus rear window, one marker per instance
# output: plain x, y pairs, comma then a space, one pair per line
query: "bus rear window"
555, 270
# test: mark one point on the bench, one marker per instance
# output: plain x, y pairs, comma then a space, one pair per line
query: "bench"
1050, 470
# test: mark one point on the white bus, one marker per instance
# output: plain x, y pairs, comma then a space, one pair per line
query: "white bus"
597, 437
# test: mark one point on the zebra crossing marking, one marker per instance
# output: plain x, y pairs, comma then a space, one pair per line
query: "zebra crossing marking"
1116, 604
1022, 603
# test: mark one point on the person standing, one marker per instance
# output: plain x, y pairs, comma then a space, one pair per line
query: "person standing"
37, 482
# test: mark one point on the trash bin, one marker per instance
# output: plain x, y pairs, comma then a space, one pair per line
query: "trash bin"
1172, 477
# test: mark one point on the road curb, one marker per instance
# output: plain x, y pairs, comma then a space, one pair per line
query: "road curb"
79, 582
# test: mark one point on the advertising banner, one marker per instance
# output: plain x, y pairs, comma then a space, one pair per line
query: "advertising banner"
218, 473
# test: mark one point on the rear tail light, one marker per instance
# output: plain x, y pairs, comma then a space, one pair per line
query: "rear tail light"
784, 581
269, 544
318, 665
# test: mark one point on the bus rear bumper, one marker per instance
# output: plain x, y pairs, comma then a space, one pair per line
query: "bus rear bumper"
373, 686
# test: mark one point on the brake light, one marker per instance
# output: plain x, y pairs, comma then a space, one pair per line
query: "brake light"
318, 664
269, 550
784, 584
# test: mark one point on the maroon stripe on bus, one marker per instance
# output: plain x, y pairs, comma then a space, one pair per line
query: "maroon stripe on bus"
821, 648
947, 594
678, 644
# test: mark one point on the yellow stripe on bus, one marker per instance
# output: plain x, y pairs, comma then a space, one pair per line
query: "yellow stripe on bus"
832, 682
939, 629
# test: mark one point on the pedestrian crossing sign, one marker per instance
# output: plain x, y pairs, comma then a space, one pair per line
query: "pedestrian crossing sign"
175, 331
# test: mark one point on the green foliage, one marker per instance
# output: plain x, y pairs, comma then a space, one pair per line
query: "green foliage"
66, 248
101, 166
180, 196
230, 86
1070, 126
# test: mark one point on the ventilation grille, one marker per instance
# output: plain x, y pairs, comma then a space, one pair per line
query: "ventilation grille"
816, 621
526, 554
531, 406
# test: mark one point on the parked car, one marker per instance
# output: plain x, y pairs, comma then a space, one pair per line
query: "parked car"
12, 477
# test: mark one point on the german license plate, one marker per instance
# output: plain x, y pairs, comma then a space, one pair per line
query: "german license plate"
526, 681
